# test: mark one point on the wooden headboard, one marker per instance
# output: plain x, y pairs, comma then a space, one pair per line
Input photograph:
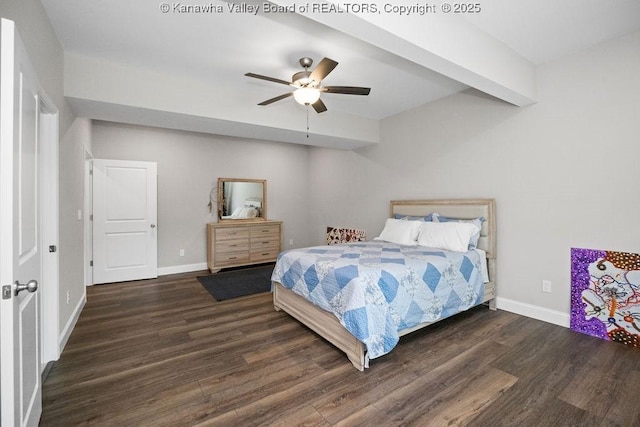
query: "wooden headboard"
460, 209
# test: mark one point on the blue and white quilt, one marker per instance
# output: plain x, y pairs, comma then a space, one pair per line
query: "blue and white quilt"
377, 289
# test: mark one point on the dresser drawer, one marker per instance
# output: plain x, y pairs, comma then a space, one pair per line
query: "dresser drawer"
231, 245
232, 233
231, 258
265, 241
265, 254
265, 230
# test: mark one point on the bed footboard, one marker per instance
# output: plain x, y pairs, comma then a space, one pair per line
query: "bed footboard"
328, 326
322, 322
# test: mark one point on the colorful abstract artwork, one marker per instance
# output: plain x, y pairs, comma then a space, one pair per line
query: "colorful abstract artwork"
337, 235
605, 295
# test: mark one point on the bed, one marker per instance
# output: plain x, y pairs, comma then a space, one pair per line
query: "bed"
359, 316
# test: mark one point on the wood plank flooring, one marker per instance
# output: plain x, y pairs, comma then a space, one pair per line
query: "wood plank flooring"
165, 353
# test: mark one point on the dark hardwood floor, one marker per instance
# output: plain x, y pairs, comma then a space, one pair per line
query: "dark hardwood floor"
165, 353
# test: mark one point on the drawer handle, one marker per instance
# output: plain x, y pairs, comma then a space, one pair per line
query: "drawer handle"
265, 231
265, 243
233, 257
232, 246
265, 253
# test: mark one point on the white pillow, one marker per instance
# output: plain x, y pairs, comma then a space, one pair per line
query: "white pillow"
476, 221
451, 236
400, 231
245, 213
249, 213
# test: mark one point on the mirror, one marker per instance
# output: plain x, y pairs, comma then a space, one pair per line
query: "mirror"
242, 199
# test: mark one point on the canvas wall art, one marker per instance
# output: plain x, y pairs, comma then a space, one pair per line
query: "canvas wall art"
605, 295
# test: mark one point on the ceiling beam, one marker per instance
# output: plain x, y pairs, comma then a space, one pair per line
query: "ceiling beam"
442, 42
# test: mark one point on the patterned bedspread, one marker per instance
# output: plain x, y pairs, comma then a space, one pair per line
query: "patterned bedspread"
377, 288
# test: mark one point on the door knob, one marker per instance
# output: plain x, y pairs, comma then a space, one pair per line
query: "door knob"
153, 226
31, 286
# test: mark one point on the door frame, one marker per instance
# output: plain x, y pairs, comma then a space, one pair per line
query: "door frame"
88, 218
50, 229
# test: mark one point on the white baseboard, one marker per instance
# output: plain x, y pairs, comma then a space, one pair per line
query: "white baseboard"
175, 269
71, 323
534, 311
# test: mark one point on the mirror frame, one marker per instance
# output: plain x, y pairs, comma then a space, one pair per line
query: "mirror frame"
263, 209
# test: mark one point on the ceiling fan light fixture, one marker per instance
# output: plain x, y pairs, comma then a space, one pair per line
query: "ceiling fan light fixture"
306, 95
307, 85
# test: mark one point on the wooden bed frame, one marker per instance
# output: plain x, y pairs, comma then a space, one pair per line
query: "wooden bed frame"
328, 326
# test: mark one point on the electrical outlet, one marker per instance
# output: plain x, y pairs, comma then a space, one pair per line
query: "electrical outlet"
290, 242
181, 252
68, 297
546, 286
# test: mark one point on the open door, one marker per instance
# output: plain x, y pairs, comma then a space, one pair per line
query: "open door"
125, 233
20, 247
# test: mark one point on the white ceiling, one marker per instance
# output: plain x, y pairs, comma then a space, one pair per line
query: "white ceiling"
545, 30
219, 48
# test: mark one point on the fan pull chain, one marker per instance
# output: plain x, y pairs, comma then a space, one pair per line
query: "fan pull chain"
307, 120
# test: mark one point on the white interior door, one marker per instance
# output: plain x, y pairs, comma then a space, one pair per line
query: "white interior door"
125, 235
20, 249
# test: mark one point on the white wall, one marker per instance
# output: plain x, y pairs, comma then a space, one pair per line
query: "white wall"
189, 165
563, 171
73, 148
45, 51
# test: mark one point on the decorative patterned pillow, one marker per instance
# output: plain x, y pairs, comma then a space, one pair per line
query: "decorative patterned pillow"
336, 235
473, 243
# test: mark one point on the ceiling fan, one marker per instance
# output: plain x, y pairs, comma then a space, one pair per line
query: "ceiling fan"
308, 84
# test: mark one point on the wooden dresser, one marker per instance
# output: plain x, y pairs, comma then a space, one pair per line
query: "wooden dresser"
232, 244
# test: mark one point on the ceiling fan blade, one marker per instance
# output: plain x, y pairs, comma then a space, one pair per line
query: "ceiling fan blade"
277, 98
323, 69
319, 106
270, 79
348, 90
